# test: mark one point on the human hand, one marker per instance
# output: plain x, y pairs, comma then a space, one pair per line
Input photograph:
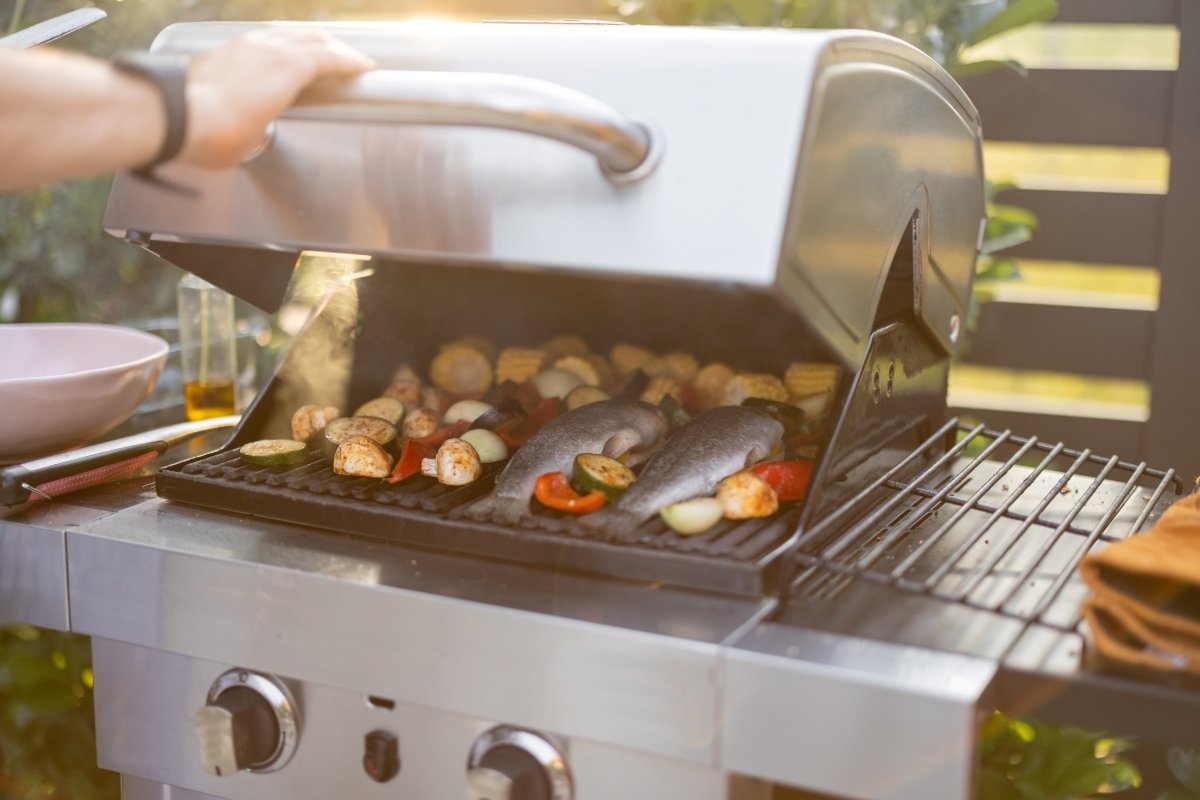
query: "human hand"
235, 91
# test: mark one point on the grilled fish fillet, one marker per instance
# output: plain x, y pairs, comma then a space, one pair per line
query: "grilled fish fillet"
611, 427
714, 445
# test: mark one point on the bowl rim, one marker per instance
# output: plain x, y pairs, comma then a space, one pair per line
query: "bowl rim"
160, 351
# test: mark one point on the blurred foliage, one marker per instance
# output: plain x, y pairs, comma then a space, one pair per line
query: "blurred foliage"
1027, 760
1185, 766
47, 731
942, 28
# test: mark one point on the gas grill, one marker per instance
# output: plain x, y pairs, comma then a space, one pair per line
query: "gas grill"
751, 197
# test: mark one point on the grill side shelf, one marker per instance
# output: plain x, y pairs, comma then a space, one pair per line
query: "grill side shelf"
978, 554
420, 512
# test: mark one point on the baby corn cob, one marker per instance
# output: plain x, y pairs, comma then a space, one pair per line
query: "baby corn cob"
519, 364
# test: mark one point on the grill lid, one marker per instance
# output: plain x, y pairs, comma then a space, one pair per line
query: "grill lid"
788, 162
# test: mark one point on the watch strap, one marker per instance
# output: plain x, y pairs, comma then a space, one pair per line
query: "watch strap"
168, 73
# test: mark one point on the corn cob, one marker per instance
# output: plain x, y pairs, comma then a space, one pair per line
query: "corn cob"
812, 386
476, 342
753, 384
564, 345
659, 388
710, 384
804, 378
593, 370
680, 366
461, 370
625, 358
519, 364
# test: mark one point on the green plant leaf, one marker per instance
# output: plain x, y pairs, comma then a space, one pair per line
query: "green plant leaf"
1014, 215
967, 69
1021, 12
1185, 766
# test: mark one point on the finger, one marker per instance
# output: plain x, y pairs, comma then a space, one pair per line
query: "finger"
337, 58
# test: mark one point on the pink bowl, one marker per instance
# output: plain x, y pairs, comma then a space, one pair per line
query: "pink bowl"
62, 385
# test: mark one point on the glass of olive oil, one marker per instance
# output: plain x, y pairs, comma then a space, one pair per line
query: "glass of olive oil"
208, 356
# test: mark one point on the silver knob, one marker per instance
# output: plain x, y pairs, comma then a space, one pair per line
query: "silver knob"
248, 723
485, 783
509, 763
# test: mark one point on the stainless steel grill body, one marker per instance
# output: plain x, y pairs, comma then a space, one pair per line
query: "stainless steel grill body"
775, 195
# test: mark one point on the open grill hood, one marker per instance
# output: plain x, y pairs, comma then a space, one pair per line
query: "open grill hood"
791, 163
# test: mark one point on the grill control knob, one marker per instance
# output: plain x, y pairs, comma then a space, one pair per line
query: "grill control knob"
249, 723
514, 764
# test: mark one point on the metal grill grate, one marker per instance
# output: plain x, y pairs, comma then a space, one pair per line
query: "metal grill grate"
995, 522
741, 558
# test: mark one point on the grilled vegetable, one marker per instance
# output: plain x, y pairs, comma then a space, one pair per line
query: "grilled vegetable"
803, 378
710, 384
274, 452
518, 431
680, 366
490, 447
789, 479
660, 388
634, 385
461, 369
342, 428
308, 421
595, 472
591, 369
435, 439
456, 464
465, 411
583, 395
675, 411
556, 382
564, 345
519, 364
753, 384
405, 386
496, 416
789, 415
420, 423
363, 457
744, 495
626, 358
411, 456
388, 408
693, 516
553, 491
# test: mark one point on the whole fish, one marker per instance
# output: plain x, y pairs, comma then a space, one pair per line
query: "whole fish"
694, 460
611, 427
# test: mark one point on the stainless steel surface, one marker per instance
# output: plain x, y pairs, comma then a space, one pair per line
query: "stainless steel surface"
544, 752
138, 687
541, 108
133, 788
216, 737
52, 29
630, 665
811, 709
488, 784
842, 136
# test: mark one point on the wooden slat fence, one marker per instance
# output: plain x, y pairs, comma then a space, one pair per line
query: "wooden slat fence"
1117, 108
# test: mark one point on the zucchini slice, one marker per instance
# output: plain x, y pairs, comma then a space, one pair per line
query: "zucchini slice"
594, 472
274, 452
342, 428
388, 408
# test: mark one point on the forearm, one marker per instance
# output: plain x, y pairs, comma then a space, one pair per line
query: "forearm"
64, 116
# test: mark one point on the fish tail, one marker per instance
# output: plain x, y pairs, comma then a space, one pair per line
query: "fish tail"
502, 510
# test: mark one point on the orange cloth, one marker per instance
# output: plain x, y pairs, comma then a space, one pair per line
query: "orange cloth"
1145, 605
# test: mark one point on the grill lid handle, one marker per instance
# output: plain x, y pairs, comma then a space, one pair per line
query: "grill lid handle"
624, 145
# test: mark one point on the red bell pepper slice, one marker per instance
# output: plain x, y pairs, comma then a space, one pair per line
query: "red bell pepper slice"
520, 430
789, 479
411, 454
689, 397
439, 436
554, 491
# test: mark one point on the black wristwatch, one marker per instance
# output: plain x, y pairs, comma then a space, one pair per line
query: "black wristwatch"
169, 74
